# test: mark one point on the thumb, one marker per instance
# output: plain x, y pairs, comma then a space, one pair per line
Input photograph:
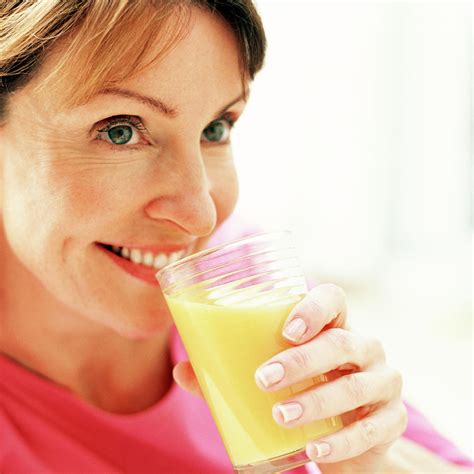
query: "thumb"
184, 376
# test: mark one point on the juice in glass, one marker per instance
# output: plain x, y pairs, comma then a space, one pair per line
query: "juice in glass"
226, 345
229, 312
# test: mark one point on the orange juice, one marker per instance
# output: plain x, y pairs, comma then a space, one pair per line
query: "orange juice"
226, 344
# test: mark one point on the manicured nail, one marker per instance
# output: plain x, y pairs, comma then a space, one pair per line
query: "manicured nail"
295, 330
270, 374
320, 450
290, 411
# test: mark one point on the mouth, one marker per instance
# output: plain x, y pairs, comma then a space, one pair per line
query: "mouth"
144, 262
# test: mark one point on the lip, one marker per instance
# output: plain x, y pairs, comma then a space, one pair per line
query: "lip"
146, 274
155, 249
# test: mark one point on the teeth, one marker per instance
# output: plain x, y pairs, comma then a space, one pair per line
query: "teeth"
136, 256
125, 252
148, 259
160, 261
174, 256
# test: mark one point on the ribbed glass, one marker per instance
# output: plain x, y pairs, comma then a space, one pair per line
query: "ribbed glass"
229, 304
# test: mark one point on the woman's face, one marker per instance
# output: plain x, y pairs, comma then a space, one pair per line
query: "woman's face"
146, 167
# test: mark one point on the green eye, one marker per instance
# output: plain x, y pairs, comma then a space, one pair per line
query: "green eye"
120, 135
123, 132
217, 132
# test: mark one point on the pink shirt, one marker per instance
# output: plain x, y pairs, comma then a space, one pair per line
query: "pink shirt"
44, 428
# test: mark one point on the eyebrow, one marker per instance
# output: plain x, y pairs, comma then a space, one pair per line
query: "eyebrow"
156, 104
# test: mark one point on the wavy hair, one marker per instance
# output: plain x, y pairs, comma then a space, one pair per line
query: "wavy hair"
99, 37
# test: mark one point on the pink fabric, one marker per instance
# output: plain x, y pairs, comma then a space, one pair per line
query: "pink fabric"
44, 428
422, 432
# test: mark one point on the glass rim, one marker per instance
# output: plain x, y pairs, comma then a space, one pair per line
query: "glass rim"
273, 235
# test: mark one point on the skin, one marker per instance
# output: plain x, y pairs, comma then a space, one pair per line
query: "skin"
96, 330
63, 189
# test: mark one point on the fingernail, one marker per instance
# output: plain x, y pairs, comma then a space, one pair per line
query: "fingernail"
319, 450
290, 411
270, 374
295, 330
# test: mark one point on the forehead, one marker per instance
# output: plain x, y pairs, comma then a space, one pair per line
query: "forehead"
203, 63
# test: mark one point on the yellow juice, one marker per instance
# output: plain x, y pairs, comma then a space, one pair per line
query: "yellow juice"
226, 344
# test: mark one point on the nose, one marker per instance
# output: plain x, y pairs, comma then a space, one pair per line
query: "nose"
184, 196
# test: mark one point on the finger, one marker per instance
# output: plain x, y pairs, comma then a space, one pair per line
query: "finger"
184, 376
339, 396
328, 351
380, 428
322, 306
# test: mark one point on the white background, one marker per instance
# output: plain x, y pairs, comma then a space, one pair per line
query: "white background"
357, 138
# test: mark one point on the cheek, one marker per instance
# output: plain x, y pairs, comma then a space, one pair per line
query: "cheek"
53, 184
52, 198
224, 187
86, 198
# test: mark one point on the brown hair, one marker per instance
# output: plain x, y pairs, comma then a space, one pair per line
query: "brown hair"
100, 37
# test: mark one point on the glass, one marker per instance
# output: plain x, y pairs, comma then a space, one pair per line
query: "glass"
229, 304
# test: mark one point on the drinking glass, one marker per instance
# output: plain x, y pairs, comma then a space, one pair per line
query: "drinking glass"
229, 304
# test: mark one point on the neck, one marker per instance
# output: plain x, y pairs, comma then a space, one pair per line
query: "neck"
103, 368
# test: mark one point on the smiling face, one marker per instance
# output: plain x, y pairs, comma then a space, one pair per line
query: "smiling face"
143, 170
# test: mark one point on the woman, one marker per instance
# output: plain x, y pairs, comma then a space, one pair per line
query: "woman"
115, 160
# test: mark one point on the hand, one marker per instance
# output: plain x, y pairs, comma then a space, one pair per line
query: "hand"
361, 387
